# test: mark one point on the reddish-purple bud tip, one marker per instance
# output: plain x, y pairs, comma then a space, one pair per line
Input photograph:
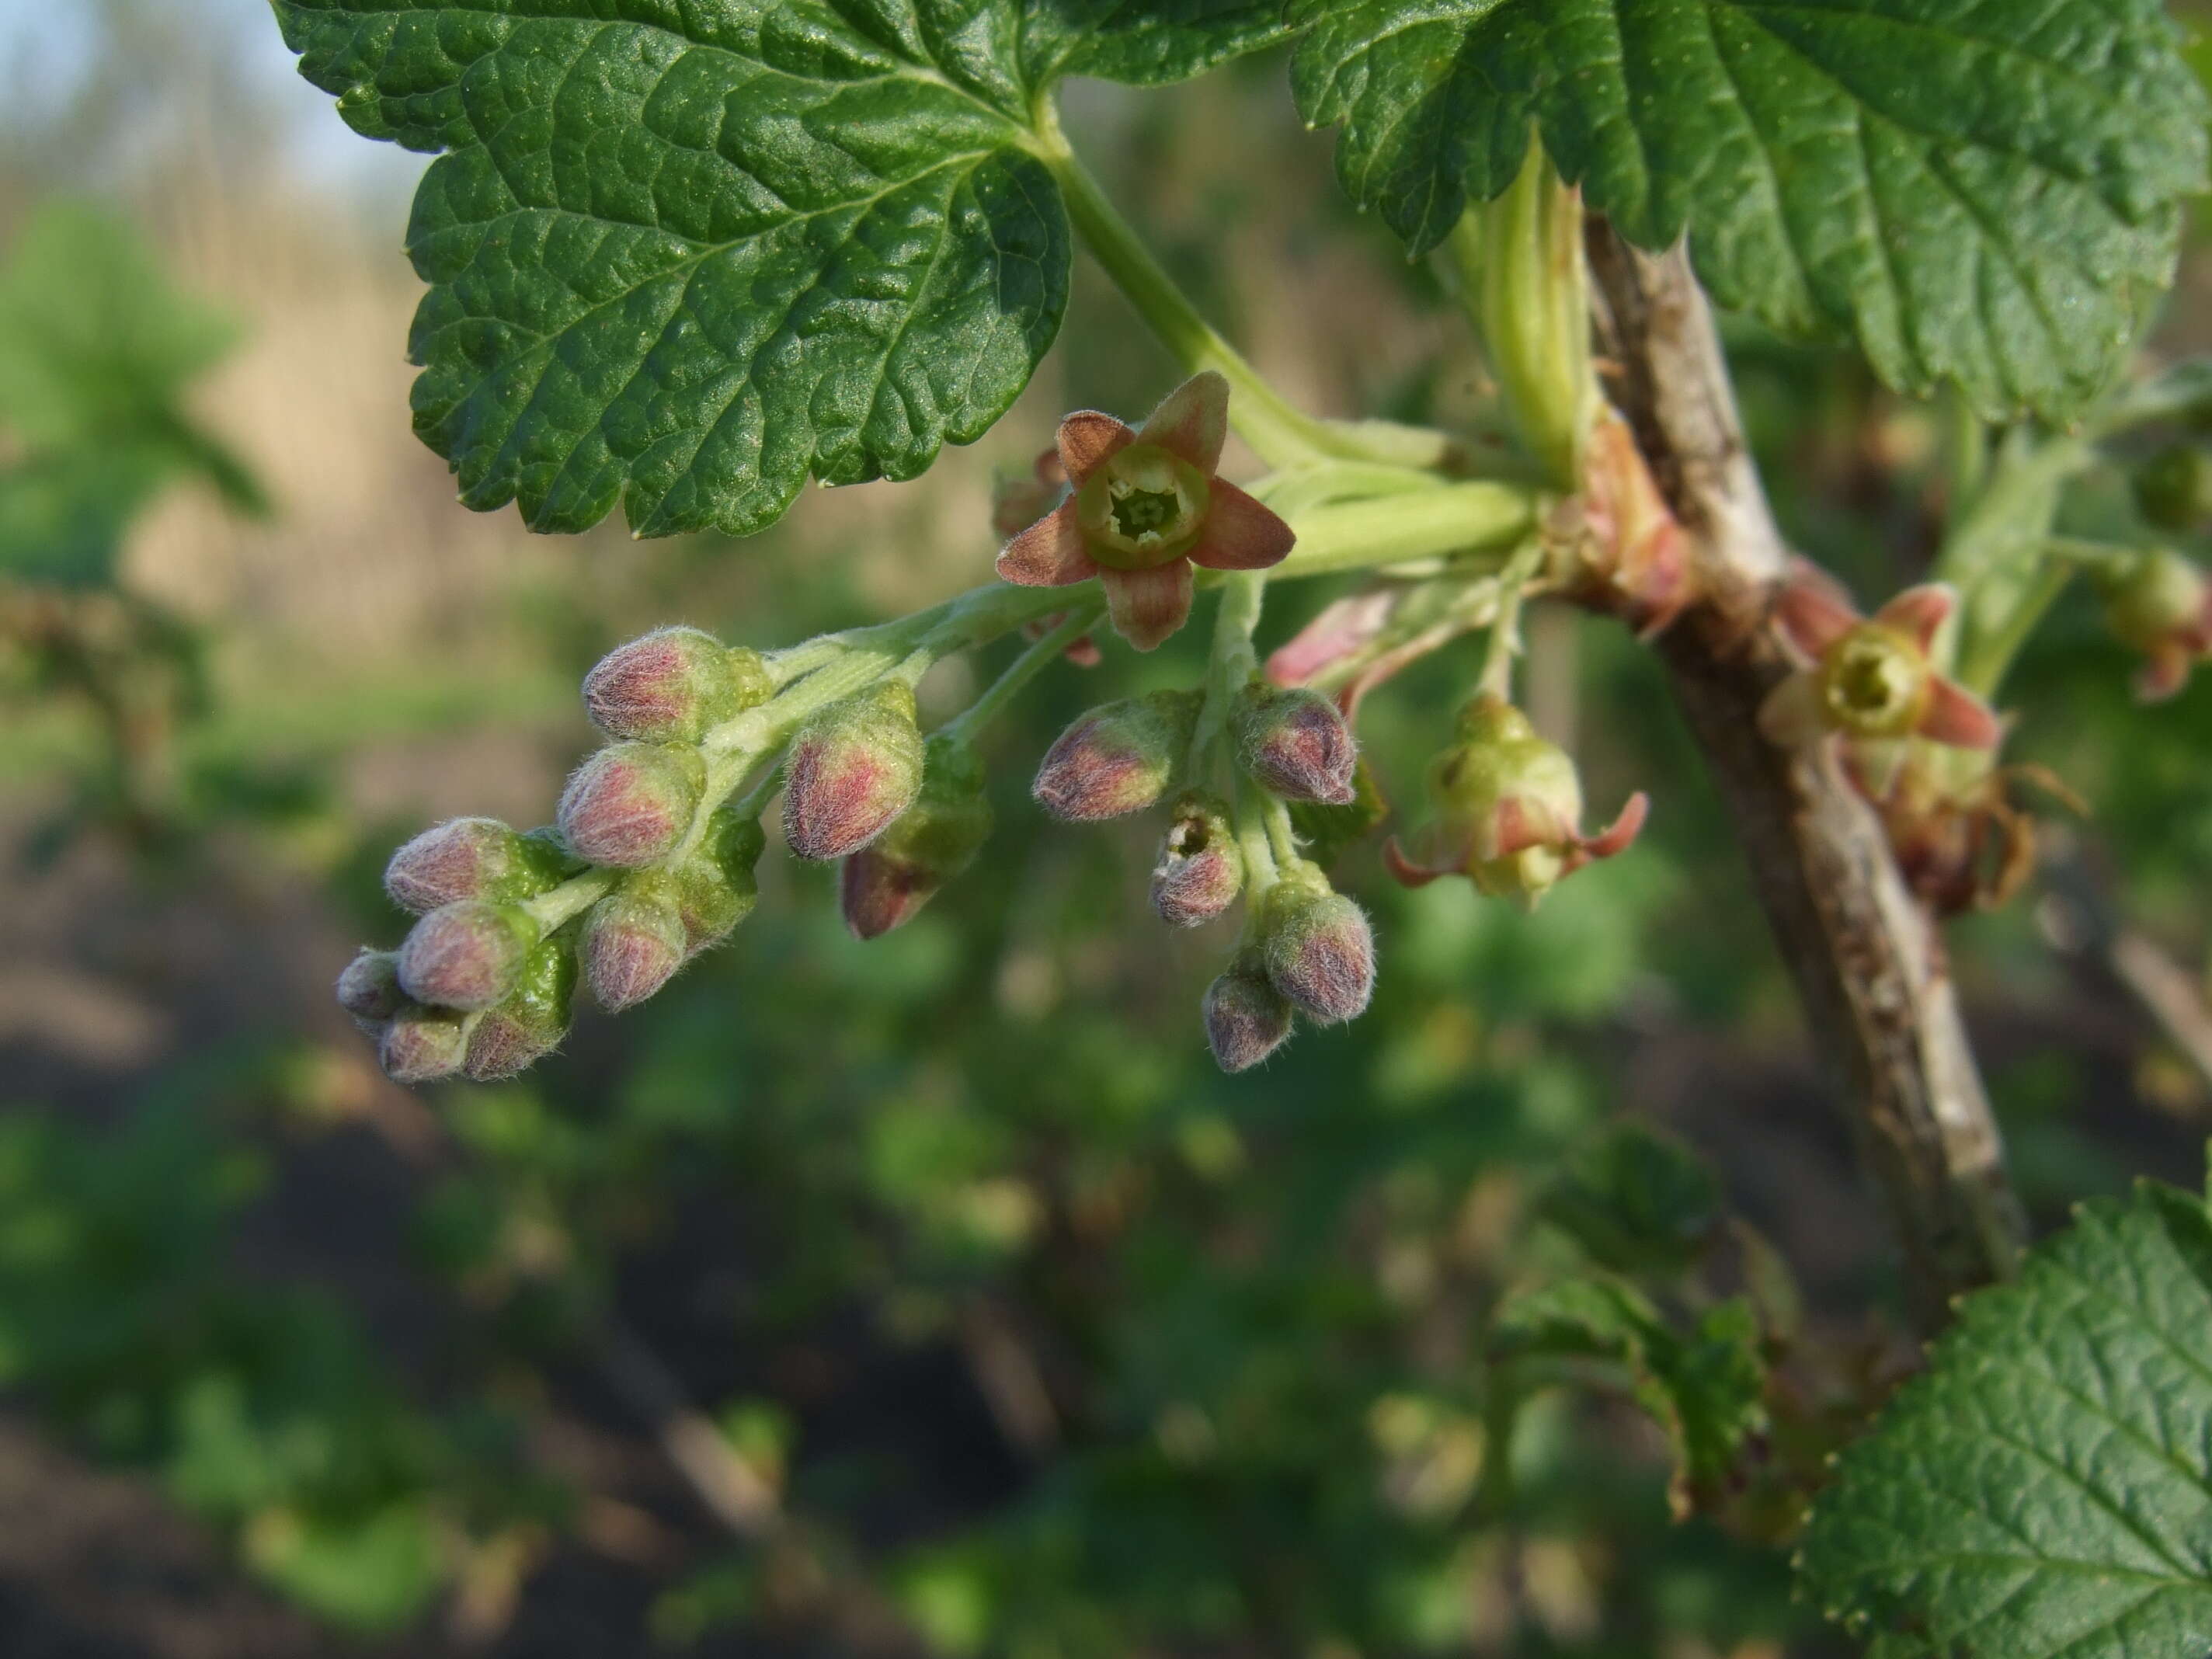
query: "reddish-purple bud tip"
1247, 1018
672, 685
1201, 870
422, 1045
632, 803
466, 956
1297, 744
369, 988
531, 1024
633, 942
883, 885
854, 768
470, 858
1319, 950
1117, 759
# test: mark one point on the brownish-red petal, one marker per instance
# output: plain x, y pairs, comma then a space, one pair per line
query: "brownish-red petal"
1087, 437
1812, 612
1957, 717
1193, 420
1404, 870
1050, 553
1241, 533
1521, 824
1148, 606
1920, 612
1623, 830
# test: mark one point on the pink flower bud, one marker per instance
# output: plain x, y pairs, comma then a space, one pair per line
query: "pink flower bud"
633, 942
1247, 1018
1201, 870
1317, 947
532, 1021
715, 888
472, 859
369, 988
672, 685
883, 885
1296, 743
467, 956
630, 803
851, 772
422, 1045
1117, 759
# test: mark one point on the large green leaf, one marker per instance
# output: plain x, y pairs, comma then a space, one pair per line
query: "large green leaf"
683, 255
1981, 191
2045, 1487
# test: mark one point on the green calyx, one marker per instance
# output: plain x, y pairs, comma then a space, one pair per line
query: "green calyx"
1142, 508
1874, 683
1500, 759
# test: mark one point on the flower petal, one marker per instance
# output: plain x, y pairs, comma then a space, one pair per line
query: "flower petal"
1813, 610
1919, 612
1241, 533
1087, 437
1522, 823
1404, 870
1193, 420
1050, 553
2164, 673
1956, 716
1148, 606
1623, 830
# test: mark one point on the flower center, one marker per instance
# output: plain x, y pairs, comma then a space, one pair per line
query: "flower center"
1137, 511
1877, 683
1142, 508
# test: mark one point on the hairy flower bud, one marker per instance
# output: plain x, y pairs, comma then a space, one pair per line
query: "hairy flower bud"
715, 888
2174, 489
630, 803
1317, 948
1117, 759
472, 859
369, 988
672, 685
854, 768
882, 885
422, 1045
1201, 870
1296, 743
633, 941
2162, 607
467, 956
532, 1021
1247, 1018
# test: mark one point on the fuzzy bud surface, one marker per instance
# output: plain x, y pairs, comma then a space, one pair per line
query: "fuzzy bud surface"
630, 803
467, 956
672, 685
1201, 870
852, 771
1318, 948
1247, 1018
531, 1024
883, 884
1296, 743
1117, 759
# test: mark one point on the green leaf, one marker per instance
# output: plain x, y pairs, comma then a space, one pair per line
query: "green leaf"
1704, 1386
2045, 1486
1640, 1202
684, 256
1981, 191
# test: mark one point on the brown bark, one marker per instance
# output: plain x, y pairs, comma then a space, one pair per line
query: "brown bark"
1867, 958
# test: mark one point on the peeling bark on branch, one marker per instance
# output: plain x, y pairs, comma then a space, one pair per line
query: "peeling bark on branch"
1868, 959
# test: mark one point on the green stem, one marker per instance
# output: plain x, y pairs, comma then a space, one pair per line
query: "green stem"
1260, 872
1464, 518
1986, 657
1232, 664
1504, 645
1280, 433
1282, 839
554, 908
963, 726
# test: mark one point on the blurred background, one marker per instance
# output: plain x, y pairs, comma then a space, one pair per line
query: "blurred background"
937, 1295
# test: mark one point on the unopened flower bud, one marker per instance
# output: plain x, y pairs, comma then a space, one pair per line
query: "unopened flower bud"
852, 771
715, 888
1201, 870
882, 885
532, 1021
422, 1045
2174, 489
1296, 743
471, 858
1247, 1018
1117, 759
369, 989
630, 803
2162, 607
1317, 947
633, 941
672, 685
466, 956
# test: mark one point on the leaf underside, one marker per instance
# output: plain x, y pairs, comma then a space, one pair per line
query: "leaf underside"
2045, 1488
1984, 192
684, 255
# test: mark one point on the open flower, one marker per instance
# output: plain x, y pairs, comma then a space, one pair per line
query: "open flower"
1509, 807
1146, 507
1870, 680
